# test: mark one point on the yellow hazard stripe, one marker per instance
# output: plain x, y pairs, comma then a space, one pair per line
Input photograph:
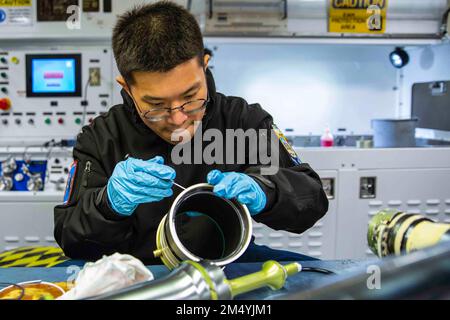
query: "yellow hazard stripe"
18, 254
32, 257
47, 262
7, 253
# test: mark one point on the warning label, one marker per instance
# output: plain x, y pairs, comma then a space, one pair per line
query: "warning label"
357, 16
15, 13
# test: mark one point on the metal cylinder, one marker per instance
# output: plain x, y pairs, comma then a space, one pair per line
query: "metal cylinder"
190, 281
393, 232
423, 275
203, 226
204, 281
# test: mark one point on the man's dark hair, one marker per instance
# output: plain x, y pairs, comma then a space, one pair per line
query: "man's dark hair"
155, 38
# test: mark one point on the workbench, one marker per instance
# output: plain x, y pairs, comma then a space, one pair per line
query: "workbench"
299, 282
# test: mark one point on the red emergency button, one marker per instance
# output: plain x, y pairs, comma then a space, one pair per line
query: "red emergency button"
5, 104
60, 120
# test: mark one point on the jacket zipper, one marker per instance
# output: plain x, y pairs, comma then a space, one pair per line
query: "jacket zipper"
87, 172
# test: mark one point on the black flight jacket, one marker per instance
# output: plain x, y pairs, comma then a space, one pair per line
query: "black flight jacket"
87, 228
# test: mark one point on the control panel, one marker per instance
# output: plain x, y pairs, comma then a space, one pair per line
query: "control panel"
37, 169
21, 175
52, 94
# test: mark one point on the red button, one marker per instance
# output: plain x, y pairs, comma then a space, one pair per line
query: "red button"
5, 104
60, 120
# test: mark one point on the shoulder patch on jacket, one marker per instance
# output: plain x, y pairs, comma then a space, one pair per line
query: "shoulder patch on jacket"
70, 180
286, 145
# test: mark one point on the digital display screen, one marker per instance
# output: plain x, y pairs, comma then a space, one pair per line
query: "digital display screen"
53, 75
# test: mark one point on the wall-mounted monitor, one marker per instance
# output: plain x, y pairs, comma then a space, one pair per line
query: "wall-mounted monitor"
53, 75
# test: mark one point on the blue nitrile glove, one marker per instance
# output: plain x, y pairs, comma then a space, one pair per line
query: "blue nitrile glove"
240, 186
136, 181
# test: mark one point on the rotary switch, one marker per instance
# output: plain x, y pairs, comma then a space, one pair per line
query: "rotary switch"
6, 183
34, 182
9, 166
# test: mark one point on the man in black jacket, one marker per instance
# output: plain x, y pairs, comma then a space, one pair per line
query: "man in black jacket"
125, 163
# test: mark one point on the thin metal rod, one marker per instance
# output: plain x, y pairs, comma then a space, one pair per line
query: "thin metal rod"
179, 186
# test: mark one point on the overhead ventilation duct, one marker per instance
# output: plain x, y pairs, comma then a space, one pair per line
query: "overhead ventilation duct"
403, 19
246, 17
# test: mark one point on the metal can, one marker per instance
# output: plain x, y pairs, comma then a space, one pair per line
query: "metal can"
201, 225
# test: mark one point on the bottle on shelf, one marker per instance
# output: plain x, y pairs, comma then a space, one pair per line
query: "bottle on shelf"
327, 140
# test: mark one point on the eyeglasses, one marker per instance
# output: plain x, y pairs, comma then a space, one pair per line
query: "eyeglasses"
188, 108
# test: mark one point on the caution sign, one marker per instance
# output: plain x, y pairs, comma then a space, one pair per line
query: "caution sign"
15, 3
357, 16
15, 13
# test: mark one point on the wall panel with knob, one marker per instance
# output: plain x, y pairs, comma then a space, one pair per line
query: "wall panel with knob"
26, 215
30, 110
